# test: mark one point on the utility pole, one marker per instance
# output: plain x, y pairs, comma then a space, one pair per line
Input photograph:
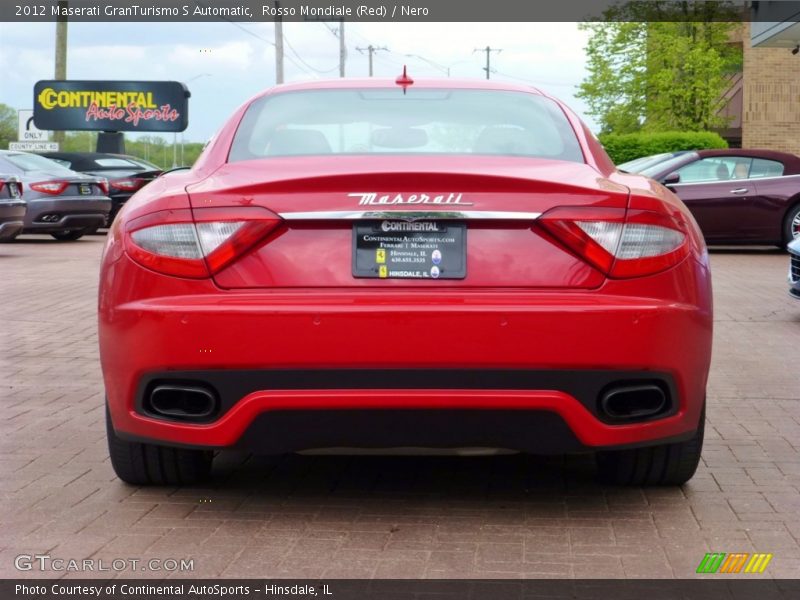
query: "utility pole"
372, 50
488, 50
342, 48
278, 45
61, 59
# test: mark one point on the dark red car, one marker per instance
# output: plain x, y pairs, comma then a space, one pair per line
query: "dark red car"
371, 263
737, 196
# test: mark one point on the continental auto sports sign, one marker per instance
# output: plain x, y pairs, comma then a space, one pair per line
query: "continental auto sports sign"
111, 105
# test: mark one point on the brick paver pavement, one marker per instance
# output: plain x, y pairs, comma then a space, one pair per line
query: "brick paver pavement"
297, 516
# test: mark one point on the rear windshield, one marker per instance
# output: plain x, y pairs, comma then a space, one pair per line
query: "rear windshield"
110, 163
386, 121
34, 162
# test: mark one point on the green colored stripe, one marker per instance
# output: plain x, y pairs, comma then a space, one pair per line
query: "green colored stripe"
711, 562
717, 563
701, 568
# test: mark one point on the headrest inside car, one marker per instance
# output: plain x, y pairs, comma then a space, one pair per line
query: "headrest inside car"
288, 142
399, 137
505, 140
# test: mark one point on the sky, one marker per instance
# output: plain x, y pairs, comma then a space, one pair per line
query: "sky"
225, 63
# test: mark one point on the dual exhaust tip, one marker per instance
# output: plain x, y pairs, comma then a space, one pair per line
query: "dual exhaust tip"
618, 403
633, 402
183, 402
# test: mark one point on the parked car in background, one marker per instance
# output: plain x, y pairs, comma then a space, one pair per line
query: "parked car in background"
349, 277
737, 196
794, 268
12, 207
126, 174
61, 202
636, 165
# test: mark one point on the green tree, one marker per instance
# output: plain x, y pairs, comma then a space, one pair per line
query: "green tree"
654, 70
8, 125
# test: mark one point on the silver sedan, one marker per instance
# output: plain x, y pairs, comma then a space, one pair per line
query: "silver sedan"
60, 202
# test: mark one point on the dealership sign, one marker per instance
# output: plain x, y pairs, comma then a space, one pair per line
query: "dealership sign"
111, 105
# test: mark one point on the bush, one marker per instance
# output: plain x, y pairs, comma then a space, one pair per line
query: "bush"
628, 146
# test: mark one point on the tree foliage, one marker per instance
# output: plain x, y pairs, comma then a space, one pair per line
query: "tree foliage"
655, 70
8, 125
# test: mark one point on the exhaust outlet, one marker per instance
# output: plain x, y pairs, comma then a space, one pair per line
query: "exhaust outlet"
190, 403
633, 402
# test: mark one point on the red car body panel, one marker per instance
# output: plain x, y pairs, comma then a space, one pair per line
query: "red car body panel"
292, 304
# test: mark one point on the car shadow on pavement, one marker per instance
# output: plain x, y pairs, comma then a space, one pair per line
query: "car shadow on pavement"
512, 476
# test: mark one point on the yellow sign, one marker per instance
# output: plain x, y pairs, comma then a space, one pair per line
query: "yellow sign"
383, 271
380, 255
49, 99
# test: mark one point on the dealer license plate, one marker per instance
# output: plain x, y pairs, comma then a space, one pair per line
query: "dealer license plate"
393, 249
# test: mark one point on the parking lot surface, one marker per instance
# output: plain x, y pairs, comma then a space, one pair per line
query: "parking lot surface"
305, 516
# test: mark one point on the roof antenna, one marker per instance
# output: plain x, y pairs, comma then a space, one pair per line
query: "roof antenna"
404, 80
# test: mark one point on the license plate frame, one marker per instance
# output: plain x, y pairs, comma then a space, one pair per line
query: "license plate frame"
398, 249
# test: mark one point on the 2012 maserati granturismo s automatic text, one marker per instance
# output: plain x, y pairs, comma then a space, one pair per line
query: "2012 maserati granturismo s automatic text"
397, 264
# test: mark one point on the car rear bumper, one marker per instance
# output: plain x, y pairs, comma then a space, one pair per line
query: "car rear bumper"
11, 219
283, 362
67, 213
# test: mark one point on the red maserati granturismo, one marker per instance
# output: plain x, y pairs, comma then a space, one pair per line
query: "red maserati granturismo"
396, 264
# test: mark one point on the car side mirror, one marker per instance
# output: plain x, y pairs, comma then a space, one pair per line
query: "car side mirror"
672, 178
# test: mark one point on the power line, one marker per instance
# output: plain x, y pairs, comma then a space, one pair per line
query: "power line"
339, 34
265, 40
488, 50
534, 81
372, 50
293, 51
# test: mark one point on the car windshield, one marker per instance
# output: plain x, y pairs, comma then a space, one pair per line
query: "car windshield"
636, 165
389, 121
667, 166
109, 163
34, 162
143, 163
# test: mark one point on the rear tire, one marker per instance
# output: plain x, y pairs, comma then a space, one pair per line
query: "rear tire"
667, 464
148, 464
70, 235
791, 225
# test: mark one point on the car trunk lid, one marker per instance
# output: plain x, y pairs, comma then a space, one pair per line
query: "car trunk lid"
330, 203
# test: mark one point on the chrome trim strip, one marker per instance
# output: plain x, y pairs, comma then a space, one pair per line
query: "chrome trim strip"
410, 215
731, 181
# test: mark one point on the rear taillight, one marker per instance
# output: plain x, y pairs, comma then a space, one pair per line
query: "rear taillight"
620, 244
127, 184
54, 188
14, 187
102, 183
171, 242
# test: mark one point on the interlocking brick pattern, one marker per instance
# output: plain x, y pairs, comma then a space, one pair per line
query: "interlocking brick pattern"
297, 516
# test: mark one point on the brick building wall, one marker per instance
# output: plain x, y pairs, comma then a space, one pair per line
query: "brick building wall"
771, 106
